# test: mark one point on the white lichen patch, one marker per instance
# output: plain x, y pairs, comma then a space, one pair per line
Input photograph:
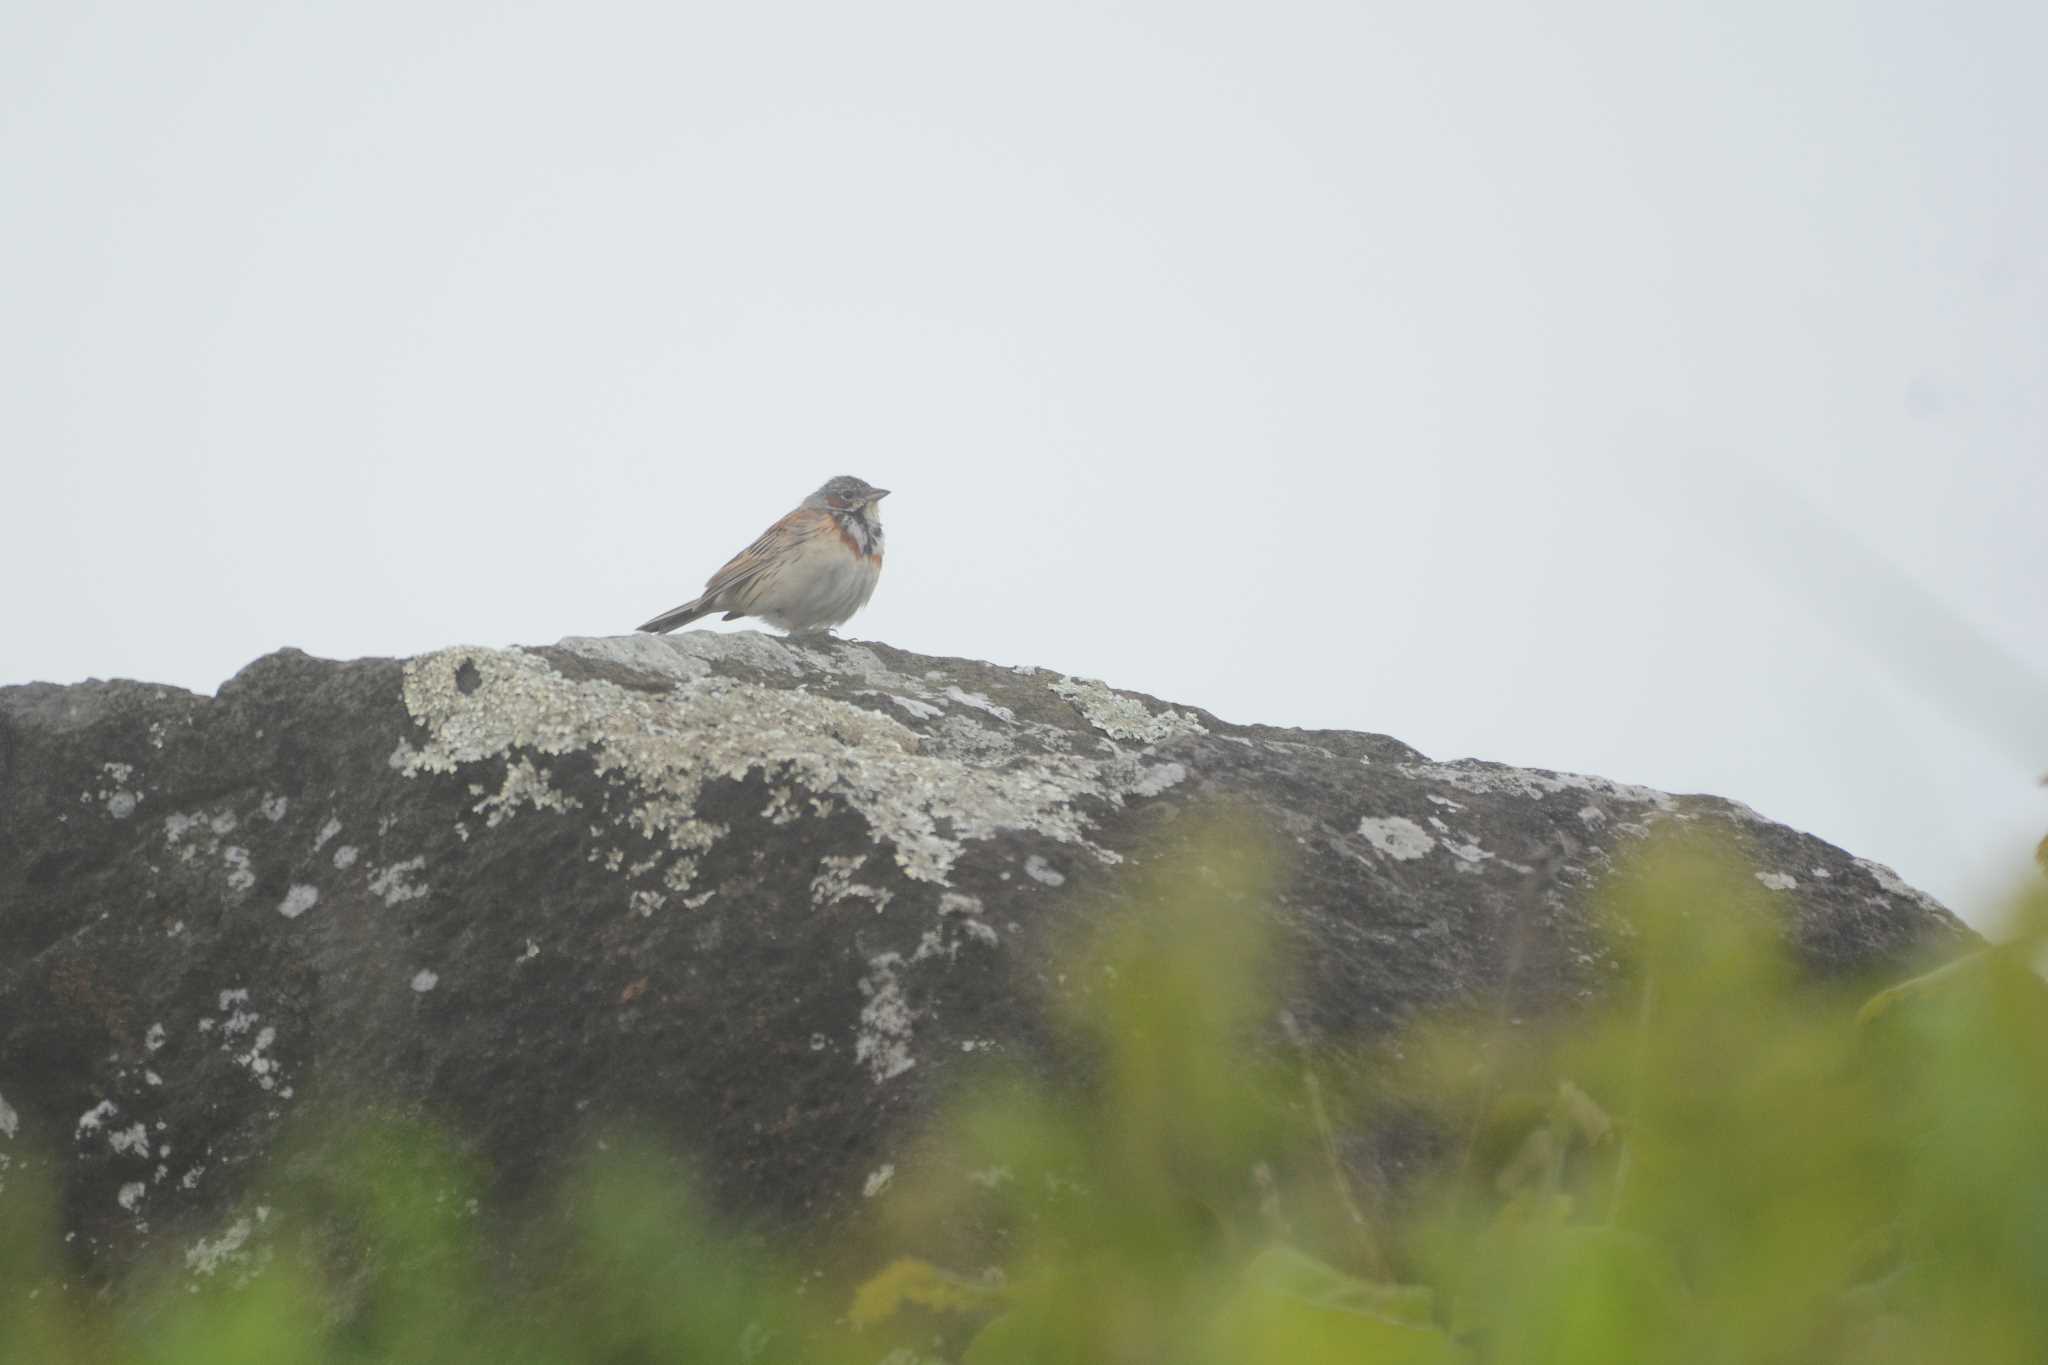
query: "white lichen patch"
661, 749
1889, 881
524, 783
979, 701
1157, 778
878, 1180
1468, 854
94, 1118
1043, 872
1396, 836
959, 923
298, 900
681, 873
240, 1021
395, 884
951, 936
115, 792
1121, 717
1481, 778
204, 1257
189, 835
130, 1141
153, 1039
781, 807
345, 857
882, 1042
969, 741
256, 1060
424, 980
274, 807
10, 1122
130, 1195
327, 832
240, 875
1777, 881
194, 836
835, 883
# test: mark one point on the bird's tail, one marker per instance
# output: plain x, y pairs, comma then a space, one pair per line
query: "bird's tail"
676, 616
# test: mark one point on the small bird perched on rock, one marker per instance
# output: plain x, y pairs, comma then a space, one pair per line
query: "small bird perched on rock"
809, 571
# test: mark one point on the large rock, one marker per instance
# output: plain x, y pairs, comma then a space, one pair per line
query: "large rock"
756, 896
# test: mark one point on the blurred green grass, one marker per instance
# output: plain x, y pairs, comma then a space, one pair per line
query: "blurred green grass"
1723, 1162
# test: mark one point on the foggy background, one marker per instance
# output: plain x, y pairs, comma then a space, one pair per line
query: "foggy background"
1651, 391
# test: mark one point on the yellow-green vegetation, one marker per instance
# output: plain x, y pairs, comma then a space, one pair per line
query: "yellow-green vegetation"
1721, 1162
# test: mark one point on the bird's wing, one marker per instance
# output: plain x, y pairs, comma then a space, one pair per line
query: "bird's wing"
752, 568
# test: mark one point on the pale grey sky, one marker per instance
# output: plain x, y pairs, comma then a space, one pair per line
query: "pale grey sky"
1635, 389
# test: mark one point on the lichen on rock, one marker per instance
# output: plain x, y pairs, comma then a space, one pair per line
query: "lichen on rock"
764, 896
1121, 717
479, 705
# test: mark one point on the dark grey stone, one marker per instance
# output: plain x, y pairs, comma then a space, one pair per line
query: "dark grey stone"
762, 898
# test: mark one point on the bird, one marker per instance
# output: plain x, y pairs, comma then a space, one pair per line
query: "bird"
810, 571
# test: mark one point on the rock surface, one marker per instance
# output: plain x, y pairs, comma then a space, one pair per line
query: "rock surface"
757, 896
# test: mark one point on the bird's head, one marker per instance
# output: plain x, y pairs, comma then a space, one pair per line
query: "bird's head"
848, 494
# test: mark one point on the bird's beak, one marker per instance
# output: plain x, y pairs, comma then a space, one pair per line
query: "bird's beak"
879, 494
